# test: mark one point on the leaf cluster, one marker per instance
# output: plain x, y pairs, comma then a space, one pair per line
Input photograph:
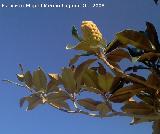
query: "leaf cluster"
101, 74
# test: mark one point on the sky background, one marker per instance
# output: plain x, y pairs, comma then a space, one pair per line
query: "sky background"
37, 37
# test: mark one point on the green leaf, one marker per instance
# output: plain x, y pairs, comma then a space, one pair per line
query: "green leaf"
137, 108
80, 70
118, 82
118, 54
89, 78
57, 96
54, 82
113, 45
146, 98
125, 93
28, 79
134, 38
152, 35
105, 81
68, 80
89, 104
83, 46
151, 56
40, 80
91, 89
33, 101
103, 109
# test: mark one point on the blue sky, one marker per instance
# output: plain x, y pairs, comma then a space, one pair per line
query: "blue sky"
37, 37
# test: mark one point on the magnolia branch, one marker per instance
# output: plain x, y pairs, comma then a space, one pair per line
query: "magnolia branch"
77, 110
102, 57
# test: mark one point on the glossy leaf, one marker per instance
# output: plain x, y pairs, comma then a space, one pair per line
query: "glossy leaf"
148, 99
125, 93
149, 56
134, 38
152, 35
113, 45
137, 76
136, 108
117, 83
118, 54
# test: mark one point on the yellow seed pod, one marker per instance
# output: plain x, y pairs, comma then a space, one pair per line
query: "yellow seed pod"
91, 33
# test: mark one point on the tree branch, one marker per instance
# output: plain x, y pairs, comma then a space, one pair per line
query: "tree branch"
102, 57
